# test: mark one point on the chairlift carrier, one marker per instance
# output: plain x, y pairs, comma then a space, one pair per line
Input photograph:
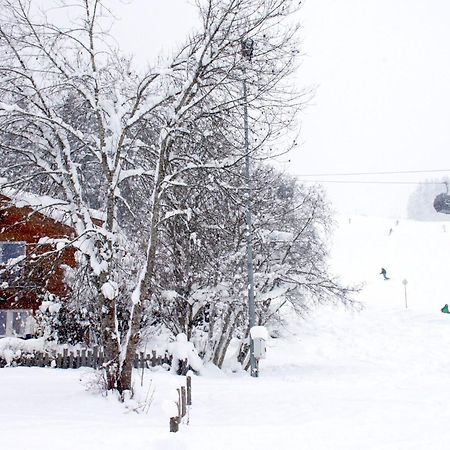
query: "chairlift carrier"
442, 202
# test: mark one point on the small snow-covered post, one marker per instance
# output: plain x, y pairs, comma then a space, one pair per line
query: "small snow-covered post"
405, 282
171, 406
173, 424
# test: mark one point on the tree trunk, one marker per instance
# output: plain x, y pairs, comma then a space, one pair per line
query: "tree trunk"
110, 340
143, 290
226, 335
244, 354
124, 383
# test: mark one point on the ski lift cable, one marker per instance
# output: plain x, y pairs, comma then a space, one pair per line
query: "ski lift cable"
396, 172
370, 182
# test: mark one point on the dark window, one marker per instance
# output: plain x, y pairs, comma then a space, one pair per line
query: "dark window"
16, 322
9, 252
19, 319
3, 315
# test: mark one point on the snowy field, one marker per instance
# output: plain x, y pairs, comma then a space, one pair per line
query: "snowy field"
344, 380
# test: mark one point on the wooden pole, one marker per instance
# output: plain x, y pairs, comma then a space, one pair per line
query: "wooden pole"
183, 401
173, 424
65, 362
95, 357
189, 390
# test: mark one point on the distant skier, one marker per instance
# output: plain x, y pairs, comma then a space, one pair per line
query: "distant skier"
445, 309
383, 272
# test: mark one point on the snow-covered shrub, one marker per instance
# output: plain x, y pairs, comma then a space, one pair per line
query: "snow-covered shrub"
16, 351
184, 356
58, 321
47, 319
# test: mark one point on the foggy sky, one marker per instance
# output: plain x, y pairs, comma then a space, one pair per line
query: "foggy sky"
382, 74
381, 69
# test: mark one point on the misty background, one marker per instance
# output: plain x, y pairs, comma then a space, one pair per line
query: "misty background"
381, 74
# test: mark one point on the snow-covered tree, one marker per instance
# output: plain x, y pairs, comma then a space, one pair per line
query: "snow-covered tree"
77, 122
202, 292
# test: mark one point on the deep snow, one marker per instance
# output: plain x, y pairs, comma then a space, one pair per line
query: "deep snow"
343, 379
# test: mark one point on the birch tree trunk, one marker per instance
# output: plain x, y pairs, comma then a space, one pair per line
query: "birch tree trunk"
143, 288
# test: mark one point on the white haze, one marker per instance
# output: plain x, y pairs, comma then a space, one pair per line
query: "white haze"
382, 72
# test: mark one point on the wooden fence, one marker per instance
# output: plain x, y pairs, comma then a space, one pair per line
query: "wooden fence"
86, 358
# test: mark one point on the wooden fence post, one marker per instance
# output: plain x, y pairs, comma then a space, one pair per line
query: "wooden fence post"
83, 357
183, 401
59, 361
173, 424
179, 403
101, 357
88, 358
65, 364
95, 357
189, 390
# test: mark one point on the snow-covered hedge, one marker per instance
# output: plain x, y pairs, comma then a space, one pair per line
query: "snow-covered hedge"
15, 351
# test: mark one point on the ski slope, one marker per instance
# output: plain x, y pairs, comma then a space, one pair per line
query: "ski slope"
418, 252
375, 379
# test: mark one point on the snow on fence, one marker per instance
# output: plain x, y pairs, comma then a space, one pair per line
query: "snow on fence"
82, 358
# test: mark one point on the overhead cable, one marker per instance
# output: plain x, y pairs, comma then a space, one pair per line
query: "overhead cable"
369, 182
397, 172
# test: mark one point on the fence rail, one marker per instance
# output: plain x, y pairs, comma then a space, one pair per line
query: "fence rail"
86, 358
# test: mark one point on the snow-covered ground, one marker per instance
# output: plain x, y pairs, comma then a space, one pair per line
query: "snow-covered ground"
343, 380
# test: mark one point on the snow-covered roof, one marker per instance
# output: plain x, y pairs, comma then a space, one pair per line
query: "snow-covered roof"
56, 209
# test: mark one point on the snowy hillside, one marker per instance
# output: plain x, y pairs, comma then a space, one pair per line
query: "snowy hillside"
343, 380
416, 251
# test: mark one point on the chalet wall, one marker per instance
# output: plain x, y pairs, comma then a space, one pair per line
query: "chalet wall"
40, 272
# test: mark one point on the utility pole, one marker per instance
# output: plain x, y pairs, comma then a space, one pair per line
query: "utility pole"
247, 53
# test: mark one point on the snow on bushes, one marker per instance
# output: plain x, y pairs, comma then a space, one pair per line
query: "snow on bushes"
184, 353
14, 349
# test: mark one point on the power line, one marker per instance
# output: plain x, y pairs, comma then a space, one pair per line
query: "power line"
397, 172
369, 182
